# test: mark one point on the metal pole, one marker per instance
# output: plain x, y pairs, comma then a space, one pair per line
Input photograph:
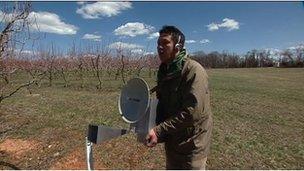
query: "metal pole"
89, 152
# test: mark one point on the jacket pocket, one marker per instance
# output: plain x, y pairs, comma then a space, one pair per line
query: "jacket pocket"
183, 142
199, 137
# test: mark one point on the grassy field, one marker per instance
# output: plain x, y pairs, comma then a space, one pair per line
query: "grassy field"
258, 124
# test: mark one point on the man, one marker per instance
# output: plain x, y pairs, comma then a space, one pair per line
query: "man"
184, 119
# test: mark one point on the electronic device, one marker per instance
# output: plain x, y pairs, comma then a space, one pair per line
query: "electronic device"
136, 107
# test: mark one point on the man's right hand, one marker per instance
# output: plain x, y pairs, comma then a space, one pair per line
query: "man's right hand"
151, 139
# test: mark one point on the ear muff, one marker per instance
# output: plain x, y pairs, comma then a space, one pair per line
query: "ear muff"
178, 45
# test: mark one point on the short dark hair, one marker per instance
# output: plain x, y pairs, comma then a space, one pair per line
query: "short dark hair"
176, 34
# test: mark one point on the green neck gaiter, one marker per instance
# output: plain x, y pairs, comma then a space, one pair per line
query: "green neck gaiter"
170, 70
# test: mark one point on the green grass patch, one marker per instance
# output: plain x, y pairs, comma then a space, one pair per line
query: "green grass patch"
258, 120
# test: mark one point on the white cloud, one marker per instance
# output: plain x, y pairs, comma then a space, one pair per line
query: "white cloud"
44, 22
137, 51
150, 53
213, 27
273, 51
28, 52
102, 9
4, 17
121, 45
153, 35
24, 52
230, 24
80, 2
292, 48
227, 23
133, 29
190, 41
204, 41
50, 23
92, 37
299, 46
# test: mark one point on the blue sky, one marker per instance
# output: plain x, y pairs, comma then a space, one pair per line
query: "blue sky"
208, 26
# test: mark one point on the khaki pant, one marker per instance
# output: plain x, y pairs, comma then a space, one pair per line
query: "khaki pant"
198, 165
204, 163
177, 161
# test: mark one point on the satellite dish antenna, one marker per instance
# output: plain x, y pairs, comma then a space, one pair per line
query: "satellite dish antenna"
134, 100
136, 107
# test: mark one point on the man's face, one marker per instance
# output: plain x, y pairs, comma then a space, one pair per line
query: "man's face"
166, 48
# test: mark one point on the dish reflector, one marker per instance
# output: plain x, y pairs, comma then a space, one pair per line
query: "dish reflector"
134, 100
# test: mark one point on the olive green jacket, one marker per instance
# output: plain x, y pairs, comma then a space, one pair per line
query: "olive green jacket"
184, 118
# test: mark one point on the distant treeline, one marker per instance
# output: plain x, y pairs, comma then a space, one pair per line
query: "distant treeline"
253, 58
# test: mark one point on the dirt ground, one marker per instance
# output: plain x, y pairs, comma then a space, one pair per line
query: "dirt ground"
75, 161
18, 148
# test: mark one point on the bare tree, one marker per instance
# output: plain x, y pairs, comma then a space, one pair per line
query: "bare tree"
13, 19
299, 53
63, 66
120, 68
98, 56
14, 24
287, 60
138, 62
109, 64
152, 62
80, 62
